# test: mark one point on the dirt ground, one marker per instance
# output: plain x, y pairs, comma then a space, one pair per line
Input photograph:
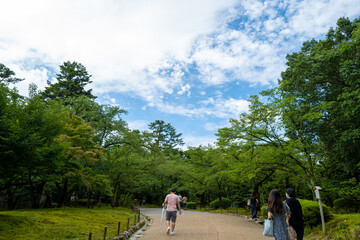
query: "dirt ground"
193, 225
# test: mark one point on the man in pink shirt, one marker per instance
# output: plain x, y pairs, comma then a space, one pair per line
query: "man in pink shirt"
171, 200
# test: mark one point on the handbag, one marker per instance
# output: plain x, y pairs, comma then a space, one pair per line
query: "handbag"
268, 228
291, 232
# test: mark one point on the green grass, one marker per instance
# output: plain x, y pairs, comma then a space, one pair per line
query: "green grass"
63, 223
341, 227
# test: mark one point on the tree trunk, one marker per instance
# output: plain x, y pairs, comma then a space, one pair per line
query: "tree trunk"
99, 202
89, 200
11, 202
125, 199
63, 193
114, 201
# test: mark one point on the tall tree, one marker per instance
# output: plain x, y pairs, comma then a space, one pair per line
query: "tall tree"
321, 98
165, 135
72, 79
7, 75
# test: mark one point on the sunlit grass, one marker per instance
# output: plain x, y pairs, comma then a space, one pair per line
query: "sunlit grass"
63, 223
342, 226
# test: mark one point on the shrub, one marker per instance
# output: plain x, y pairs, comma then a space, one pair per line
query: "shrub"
346, 205
225, 203
264, 212
311, 212
191, 205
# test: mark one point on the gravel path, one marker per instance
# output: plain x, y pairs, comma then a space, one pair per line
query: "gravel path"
193, 225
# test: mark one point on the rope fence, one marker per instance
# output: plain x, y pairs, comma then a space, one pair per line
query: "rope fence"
116, 230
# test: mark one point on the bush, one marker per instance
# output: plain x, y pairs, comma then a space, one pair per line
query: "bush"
346, 205
225, 203
311, 212
264, 212
191, 205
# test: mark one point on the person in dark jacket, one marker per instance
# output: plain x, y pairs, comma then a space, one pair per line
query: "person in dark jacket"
296, 219
253, 202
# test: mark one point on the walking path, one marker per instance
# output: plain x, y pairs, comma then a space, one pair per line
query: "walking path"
194, 225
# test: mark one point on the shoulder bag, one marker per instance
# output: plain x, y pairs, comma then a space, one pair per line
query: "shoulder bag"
268, 228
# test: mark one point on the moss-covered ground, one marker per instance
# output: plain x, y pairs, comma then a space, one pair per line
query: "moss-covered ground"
63, 223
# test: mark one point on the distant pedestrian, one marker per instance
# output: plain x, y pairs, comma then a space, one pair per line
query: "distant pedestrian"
184, 201
253, 204
172, 200
296, 220
278, 211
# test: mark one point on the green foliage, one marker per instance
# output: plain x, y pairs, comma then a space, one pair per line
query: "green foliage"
347, 205
72, 79
311, 212
342, 226
191, 205
165, 135
7, 75
320, 95
224, 203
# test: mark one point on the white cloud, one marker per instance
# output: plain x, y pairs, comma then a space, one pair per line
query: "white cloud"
38, 76
196, 141
213, 127
185, 88
214, 107
313, 18
118, 41
146, 48
138, 125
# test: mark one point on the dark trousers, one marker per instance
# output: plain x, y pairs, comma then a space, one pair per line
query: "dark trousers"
299, 229
253, 210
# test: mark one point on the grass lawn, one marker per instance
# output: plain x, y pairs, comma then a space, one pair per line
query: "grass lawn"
341, 227
63, 223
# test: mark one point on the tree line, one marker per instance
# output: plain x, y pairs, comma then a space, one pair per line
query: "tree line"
60, 142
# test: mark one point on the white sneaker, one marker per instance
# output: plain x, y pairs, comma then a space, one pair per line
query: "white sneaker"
172, 233
168, 231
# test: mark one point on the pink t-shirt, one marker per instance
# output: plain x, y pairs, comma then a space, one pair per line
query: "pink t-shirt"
171, 200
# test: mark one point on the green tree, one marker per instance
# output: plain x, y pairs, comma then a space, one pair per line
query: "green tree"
165, 135
105, 119
262, 132
7, 75
30, 151
72, 79
320, 94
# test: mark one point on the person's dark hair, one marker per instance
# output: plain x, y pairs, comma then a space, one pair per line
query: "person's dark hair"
253, 195
291, 192
275, 201
173, 190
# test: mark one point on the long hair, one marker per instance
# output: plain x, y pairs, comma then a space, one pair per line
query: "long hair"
275, 201
253, 195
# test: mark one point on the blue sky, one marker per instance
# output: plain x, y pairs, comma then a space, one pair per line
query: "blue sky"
190, 63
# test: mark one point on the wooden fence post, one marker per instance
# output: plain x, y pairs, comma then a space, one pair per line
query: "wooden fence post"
139, 217
128, 223
118, 232
135, 219
105, 233
90, 236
